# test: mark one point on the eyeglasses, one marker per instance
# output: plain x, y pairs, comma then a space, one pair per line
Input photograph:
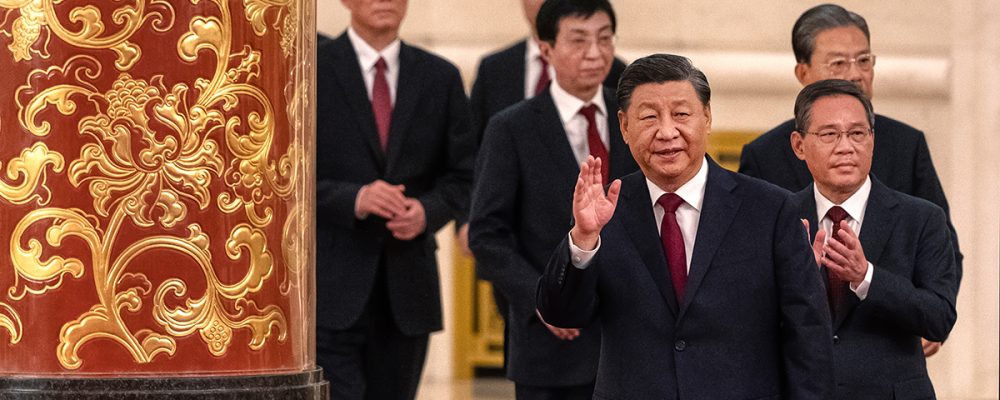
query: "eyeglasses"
830, 136
580, 43
836, 66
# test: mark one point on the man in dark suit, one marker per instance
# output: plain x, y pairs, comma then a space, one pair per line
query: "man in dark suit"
703, 279
524, 175
833, 43
515, 73
394, 165
887, 255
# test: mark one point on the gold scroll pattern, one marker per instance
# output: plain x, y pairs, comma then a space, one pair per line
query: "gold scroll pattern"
151, 154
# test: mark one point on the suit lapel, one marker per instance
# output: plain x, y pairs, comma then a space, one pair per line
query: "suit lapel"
621, 157
350, 79
638, 220
718, 211
875, 233
515, 64
407, 97
552, 134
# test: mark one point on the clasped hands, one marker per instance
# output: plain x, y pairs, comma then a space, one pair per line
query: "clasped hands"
405, 215
842, 255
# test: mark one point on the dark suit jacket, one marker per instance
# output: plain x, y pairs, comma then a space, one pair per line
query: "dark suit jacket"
901, 160
521, 209
500, 83
430, 152
753, 324
877, 350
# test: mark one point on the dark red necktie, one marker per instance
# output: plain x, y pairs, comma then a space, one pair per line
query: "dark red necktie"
673, 243
543, 78
594, 142
381, 103
835, 288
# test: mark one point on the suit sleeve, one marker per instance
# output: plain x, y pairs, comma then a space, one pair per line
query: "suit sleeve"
925, 304
806, 327
748, 162
477, 104
928, 187
567, 296
449, 199
493, 231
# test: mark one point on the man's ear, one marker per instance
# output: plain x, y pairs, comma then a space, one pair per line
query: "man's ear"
623, 125
802, 73
708, 116
798, 145
546, 49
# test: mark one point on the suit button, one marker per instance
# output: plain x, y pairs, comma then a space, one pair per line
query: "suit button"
836, 339
680, 345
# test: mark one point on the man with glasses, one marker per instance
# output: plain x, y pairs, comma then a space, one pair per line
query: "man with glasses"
831, 42
887, 257
524, 178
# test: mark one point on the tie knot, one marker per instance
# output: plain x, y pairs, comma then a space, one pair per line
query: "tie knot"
545, 64
380, 65
836, 214
670, 202
589, 111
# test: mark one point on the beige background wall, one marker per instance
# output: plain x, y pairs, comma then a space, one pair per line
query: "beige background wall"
937, 70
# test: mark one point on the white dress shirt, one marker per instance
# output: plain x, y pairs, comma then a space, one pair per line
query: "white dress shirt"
368, 56
855, 207
688, 214
575, 124
533, 68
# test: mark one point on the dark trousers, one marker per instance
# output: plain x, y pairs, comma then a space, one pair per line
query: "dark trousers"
583, 392
372, 360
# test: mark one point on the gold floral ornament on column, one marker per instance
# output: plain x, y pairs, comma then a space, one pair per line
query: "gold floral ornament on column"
155, 152
40, 16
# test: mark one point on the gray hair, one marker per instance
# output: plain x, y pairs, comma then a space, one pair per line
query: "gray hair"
818, 19
826, 88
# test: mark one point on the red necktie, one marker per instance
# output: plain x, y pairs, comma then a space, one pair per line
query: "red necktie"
543, 78
673, 243
381, 103
835, 286
594, 142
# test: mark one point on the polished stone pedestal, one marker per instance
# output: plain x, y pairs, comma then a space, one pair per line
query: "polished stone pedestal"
307, 385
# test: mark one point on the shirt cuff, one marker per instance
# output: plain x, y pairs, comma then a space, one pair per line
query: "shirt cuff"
862, 290
357, 204
579, 257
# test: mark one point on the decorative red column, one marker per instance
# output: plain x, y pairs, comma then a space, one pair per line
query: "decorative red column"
156, 196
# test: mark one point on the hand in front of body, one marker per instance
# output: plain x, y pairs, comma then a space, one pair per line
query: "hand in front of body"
592, 208
561, 333
382, 199
410, 223
844, 257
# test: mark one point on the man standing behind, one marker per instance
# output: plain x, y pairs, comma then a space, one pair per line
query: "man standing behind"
524, 175
887, 255
516, 73
394, 165
832, 43
703, 278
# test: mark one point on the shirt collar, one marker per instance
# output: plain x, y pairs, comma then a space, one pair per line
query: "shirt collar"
692, 192
569, 106
368, 56
854, 205
532, 52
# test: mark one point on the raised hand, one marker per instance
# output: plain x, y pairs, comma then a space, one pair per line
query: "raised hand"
818, 242
844, 256
592, 208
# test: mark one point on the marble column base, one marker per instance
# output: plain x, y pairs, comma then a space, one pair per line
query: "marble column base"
308, 385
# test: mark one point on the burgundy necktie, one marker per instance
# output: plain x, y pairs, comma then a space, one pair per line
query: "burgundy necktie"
673, 243
594, 141
543, 78
835, 288
381, 103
